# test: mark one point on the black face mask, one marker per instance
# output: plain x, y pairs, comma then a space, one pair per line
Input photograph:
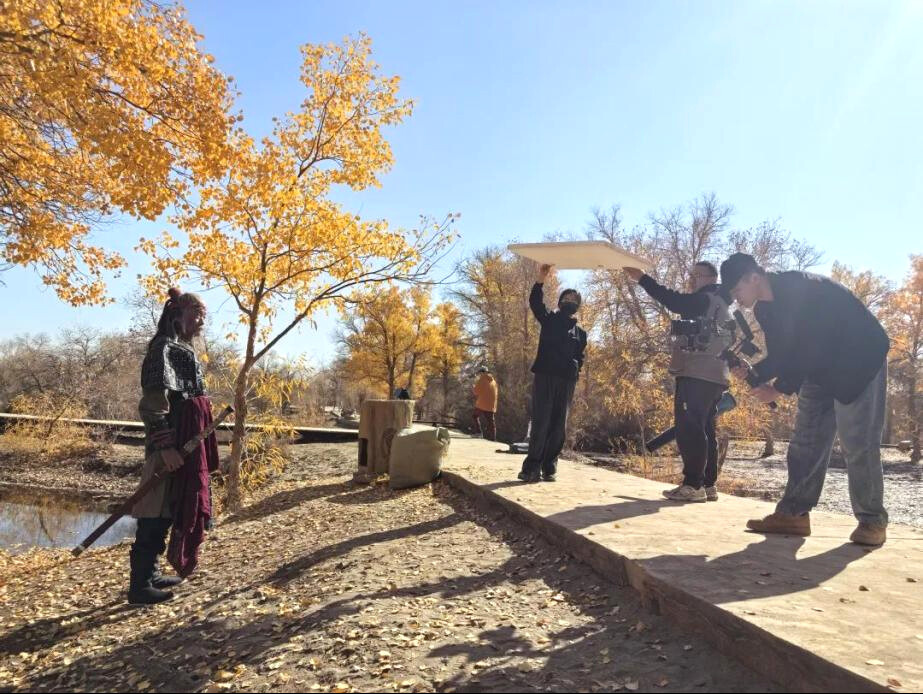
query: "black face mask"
568, 308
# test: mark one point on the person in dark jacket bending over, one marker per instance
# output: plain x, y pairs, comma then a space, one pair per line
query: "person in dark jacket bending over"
701, 379
561, 347
825, 345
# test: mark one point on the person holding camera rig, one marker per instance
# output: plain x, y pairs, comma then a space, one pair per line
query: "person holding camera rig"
699, 340
824, 344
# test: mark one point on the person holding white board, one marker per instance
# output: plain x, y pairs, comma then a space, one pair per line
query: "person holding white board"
561, 349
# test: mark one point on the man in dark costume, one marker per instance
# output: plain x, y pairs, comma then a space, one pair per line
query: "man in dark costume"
174, 408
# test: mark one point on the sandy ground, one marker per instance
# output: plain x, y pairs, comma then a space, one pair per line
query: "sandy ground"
321, 585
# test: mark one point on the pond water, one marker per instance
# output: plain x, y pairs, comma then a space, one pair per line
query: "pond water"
26, 525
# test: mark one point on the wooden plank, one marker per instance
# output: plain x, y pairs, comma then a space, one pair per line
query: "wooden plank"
305, 434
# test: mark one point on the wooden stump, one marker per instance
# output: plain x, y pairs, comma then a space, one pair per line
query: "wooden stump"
379, 421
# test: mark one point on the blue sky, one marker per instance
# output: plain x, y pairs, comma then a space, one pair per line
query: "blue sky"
529, 114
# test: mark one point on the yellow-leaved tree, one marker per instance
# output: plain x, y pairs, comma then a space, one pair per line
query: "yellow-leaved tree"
390, 338
450, 352
106, 106
872, 290
903, 318
268, 232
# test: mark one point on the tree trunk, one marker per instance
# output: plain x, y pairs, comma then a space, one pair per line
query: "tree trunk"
639, 416
724, 443
413, 368
770, 447
238, 440
445, 392
915, 454
888, 436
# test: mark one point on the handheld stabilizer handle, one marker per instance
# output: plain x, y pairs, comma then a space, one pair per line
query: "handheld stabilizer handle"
746, 346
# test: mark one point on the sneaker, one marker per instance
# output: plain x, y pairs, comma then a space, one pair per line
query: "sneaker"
711, 493
869, 534
529, 479
686, 493
782, 524
548, 478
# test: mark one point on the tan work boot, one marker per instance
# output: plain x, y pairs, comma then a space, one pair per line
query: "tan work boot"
782, 524
868, 534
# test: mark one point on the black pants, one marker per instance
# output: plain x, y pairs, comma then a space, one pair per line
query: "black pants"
491, 423
695, 409
551, 400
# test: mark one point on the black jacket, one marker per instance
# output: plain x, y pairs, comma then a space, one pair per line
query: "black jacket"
817, 330
562, 342
687, 306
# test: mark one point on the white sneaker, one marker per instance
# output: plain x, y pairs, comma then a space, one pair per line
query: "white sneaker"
711, 493
686, 493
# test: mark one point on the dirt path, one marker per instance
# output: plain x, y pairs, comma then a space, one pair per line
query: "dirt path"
320, 585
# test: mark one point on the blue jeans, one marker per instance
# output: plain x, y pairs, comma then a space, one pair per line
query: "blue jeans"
860, 423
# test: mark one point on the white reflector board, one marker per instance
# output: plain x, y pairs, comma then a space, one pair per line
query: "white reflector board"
580, 255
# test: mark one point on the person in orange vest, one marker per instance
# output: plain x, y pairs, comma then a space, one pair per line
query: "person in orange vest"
485, 405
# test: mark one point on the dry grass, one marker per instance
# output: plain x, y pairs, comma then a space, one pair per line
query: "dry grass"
265, 456
49, 441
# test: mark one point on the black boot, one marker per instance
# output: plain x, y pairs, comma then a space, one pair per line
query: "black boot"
158, 580
143, 558
140, 589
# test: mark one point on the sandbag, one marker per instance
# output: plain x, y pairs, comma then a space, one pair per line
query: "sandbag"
416, 457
